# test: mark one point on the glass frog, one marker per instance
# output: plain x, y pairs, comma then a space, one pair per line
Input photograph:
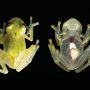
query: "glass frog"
15, 54
74, 52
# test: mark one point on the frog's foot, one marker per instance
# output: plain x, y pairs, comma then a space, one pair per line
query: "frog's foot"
4, 69
30, 29
3, 59
56, 55
27, 57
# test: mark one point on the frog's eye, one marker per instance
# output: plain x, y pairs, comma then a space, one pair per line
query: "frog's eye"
10, 27
22, 25
23, 30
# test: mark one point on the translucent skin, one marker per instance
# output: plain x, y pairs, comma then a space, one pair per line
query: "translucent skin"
72, 54
66, 50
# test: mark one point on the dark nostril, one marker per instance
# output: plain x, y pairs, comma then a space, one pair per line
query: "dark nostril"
28, 35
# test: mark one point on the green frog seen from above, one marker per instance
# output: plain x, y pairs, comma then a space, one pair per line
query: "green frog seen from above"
15, 54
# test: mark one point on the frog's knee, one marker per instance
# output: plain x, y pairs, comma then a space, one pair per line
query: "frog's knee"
6, 72
33, 47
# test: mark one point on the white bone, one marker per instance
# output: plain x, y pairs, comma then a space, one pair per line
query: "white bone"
72, 45
73, 51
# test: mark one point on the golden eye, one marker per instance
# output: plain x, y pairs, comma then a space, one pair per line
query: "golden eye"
9, 27
23, 30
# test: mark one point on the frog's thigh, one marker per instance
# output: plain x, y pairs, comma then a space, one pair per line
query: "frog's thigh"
3, 61
56, 57
27, 57
81, 60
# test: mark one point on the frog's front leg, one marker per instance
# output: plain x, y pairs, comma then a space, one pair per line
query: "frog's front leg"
2, 34
86, 37
30, 28
83, 61
27, 57
3, 62
58, 33
56, 55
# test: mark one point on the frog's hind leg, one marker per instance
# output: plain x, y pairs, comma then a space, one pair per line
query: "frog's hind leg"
4, 69
27, 57
84, 60
55, 55
3, 62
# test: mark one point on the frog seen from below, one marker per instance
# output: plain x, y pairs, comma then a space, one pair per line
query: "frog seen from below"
73, 53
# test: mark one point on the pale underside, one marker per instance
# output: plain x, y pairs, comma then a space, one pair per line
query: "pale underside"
73, 51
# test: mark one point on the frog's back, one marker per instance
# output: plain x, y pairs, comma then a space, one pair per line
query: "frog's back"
14, 42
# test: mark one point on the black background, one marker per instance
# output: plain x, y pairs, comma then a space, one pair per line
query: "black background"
46, 13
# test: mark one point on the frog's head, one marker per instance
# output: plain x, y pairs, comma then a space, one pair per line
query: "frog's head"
16, 25
72, 27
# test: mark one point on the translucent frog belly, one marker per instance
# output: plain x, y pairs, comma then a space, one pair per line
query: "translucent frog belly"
71, 49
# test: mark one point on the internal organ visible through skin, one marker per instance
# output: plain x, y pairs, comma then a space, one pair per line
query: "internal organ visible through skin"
73, 51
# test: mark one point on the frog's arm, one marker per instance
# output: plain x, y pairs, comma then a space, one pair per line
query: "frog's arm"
30, 30
86, 37
3, 62
1, 36
58, 33
2, 33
